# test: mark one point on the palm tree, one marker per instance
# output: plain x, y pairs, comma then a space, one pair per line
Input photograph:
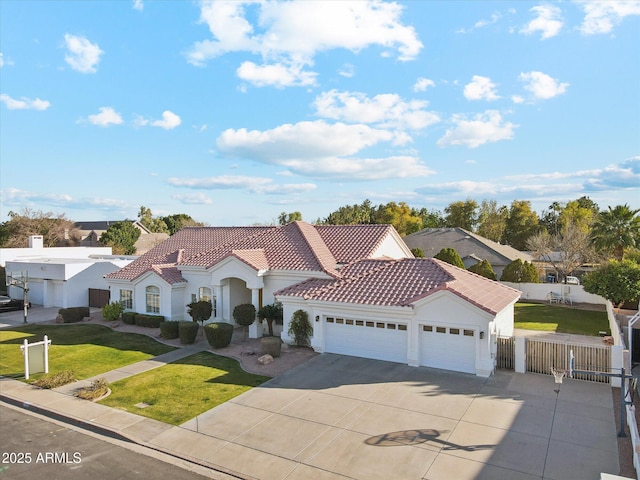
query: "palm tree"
616, 229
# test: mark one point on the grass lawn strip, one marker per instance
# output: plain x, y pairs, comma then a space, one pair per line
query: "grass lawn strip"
552, 318
181, 390
88, 350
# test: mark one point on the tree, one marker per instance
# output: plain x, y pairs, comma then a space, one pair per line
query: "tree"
521, 224
492, 220
285, 218
271, 313
618, 281
244, 315
484, 268
430, 218
616, 230
155, 225
450, 256
576, 214
352, 215
550, 218
300, 328
56, 230
121, 237
462, 214
400, 216
200, 311
566, 250
179, 221
520, 272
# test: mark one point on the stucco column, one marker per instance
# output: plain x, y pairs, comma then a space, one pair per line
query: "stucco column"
255, 329
218, 294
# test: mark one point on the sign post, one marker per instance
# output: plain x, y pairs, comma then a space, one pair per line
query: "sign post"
36, 357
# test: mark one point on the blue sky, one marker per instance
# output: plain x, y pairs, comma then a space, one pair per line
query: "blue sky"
233, 112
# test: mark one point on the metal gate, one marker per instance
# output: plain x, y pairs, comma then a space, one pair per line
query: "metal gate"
99, 298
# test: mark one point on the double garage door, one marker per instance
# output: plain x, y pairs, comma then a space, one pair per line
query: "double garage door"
446, 347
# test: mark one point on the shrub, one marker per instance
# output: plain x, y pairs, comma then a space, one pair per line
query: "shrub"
200, 311
218, 334
112, 311
450, 255
300, 328
244, 315
484, 269
169, 330
73, 314
97, 389
129, 318
519, 272
417, 252
187, 331
53, 380
149, 321
271, 313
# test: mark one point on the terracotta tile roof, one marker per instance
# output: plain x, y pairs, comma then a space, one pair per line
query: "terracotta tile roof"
255, 258
350, 243
403, 282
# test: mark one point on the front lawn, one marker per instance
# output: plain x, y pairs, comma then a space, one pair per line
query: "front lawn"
88, 350
560, 319
179, 391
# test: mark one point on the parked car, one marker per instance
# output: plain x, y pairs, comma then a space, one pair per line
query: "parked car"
573, 280
8, 304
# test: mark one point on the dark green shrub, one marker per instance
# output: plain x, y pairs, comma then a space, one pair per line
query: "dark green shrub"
74, 314
520, 272
53, 380
149, 321
218, 334
187, 331
484, 269
169, 330
200, 311
129, 318
450, 255
300, 328
244, 315
111, 312
417, 252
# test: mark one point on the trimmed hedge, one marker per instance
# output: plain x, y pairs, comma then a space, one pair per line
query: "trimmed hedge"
169, 330
187, 331
73, 314
149, 321
219, 334
129, 318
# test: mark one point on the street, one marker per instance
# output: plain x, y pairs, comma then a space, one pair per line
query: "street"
34, 447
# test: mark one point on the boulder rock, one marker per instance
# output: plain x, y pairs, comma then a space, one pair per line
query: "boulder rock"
265, 359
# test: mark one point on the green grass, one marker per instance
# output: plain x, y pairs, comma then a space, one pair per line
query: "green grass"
553, 318
181, 390
88, 350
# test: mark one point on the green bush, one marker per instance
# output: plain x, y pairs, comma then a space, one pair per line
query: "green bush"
169, 330
200, 311
218, 334
53, 380
450, 255
111, 312
129, 318
520, 272
149, 321
187, 331
300, 328
74, 314
484, 269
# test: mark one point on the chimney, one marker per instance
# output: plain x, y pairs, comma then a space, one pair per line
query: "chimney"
36, 241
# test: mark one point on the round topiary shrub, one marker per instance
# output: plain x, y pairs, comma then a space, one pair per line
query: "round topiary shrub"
187, 331
218, 334
169, 330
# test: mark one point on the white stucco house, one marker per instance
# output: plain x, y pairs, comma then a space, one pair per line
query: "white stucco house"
364, 292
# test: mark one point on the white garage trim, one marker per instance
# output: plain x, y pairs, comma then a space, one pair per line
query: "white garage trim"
450, 347
382, 340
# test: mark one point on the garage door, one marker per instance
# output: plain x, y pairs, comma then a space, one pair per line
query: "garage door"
368, 339
448, 347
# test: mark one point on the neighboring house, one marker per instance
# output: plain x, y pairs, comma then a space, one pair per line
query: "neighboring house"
472, 248
90, 233
364, 292
62, 276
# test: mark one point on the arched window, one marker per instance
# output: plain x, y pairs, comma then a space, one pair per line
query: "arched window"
153, 299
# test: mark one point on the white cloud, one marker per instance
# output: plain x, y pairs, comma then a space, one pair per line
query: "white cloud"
83, 56
422, 84
138, 5
193, 199
347, 70
601, 17
480, 88
542, 86
483, 128
386, 110
548, 21
14, 196
169, 121
107, 116
240, 182
319, 149
288, 35
24, 103
517, 99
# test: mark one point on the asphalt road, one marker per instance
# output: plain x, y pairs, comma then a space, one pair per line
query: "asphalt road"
32, 446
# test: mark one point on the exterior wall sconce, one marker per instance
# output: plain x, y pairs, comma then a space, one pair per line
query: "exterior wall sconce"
317, 318
481, 335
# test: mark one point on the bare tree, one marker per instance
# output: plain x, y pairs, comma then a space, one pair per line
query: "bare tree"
56, 230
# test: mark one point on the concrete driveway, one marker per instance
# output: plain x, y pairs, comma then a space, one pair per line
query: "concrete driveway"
346, 417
